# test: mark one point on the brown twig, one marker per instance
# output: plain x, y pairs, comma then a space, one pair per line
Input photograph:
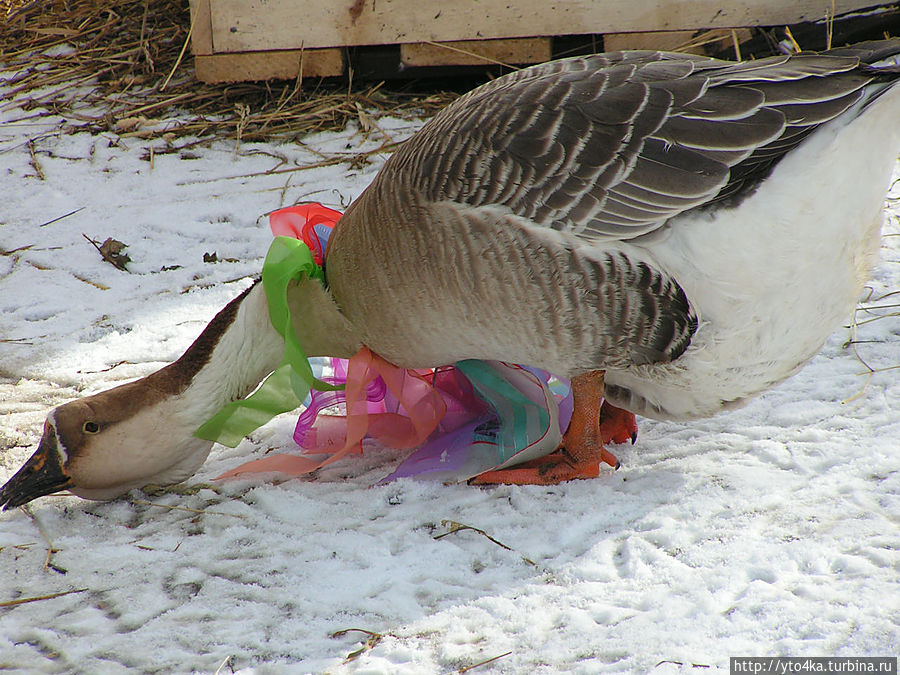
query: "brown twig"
189, 510
466, 669
829, 26
474, 55
868, 304
681, 663
737, 45
48, 563
331, 161
372, 640
34, 161
36, 598
15, 250
458, 527
187, 41
107, 369
790, 36
95, 284
65, 215
226, 662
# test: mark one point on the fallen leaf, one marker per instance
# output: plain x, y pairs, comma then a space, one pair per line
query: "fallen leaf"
111, 250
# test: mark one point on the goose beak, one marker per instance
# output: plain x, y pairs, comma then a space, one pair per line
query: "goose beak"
42, 474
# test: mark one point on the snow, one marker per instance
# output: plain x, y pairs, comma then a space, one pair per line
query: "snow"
771, 530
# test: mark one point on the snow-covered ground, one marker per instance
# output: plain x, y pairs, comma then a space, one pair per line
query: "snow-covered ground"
773, 530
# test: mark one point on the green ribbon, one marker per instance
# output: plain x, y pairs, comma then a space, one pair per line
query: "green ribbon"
287, 386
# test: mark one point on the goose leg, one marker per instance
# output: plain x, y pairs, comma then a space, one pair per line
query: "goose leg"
593, 423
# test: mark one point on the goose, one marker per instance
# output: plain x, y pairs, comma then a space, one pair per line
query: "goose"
674, 233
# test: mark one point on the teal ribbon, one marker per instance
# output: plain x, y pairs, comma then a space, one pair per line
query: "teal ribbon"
286, 388
522, 421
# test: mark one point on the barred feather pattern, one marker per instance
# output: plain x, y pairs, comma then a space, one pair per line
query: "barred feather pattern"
584, 306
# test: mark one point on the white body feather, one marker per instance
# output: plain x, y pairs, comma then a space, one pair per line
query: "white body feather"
754, 274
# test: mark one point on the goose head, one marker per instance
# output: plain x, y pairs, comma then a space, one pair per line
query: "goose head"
102, 446
142, 433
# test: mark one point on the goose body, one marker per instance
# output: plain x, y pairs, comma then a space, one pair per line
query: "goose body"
692, 285
692, 228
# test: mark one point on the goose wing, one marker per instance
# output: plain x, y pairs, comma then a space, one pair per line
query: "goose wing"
614, 145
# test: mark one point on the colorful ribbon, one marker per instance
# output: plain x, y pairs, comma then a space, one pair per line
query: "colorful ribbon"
286, 388
464, 419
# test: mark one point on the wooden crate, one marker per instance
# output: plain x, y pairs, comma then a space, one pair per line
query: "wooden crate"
282, 39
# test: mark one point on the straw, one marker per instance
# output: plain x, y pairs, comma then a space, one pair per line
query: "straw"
96, 63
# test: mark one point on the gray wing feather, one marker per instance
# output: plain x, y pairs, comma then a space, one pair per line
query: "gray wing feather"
784, 68
615, 145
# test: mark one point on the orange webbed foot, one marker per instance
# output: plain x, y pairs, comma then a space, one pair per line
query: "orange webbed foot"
553, 469
594, 423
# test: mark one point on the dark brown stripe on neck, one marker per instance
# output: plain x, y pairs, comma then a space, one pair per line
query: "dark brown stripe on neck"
177, 376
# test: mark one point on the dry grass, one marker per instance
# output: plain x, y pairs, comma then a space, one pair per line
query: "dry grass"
49, 596
116, 66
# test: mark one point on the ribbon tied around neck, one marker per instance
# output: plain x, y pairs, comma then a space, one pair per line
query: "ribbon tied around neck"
289, 258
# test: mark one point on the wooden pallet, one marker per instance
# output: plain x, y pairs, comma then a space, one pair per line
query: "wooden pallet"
236, 40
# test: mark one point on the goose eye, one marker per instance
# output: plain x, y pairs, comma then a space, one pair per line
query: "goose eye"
90, 427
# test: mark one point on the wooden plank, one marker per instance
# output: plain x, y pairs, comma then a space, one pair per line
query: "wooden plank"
274, 65
476, 52
689, 41
201, 27
251, 25
663, 40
